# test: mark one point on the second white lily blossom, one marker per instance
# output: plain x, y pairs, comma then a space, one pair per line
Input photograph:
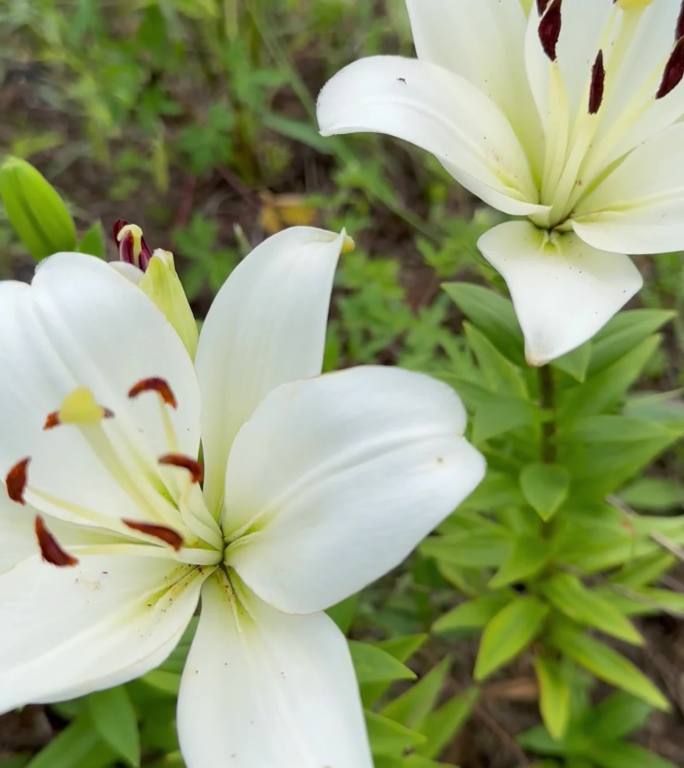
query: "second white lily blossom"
111, 530
569, 117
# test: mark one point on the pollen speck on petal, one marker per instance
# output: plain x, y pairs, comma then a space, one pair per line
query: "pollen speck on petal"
162, 532
50, 549
195, 469
154, 384
16, 481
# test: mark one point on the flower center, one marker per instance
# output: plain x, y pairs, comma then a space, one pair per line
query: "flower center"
165, 489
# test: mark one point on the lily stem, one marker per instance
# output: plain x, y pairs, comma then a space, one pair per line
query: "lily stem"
547, 395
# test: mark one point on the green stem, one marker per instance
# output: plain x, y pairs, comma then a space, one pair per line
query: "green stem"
547, 395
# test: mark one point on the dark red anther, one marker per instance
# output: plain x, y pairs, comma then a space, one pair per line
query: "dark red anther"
127, 247
154, 384
679, 32
16, 481
541, 6
674, 71
550, 28
50, 549
195, 469
161, 532
598, 83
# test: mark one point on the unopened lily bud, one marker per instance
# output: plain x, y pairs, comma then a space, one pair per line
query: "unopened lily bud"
131, 244
162, 284
35, 210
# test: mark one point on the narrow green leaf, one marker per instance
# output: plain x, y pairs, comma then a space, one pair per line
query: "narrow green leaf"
606, 664
546, 487
528, 555
491, 314
373, 665
390, 738
583, 605
93, 241
468, 550
575, 363
509, 633
623, 755
413, 706
343, 613
554, 698
441, 726
498, 373
115, 720
78, 746
616, 717
473, 614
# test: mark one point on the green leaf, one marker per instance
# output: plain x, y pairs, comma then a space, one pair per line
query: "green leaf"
498, 373
492, 315
567, 593
624, 332
554, 695
617, 716
389, 738
605, 663
78, 746
93, 241
607, 387
373, 665
35, 210
575, 363
622, 755
654, 494
546, 487
413, 706
440, 726
114, 719
528, 555
343, 613
467, 549
473, 614
508, 633
402, 648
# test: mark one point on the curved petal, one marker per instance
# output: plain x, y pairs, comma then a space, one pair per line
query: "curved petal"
81, 323
563, 290
440, 112
265, 327
96, 625
484, 43
360, 466
639, 208
262, 688
17, 540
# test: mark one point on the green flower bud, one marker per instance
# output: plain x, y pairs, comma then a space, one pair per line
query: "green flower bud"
35, 210
162, 284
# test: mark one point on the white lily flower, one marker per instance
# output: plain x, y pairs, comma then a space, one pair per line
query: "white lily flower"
569, 117
313, 487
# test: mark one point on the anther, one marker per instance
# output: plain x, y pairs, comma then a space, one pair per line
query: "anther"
598, 82
679, 31
674, 71
78, 407
541, 6
154, 384
16, 481
550, 27
50, 549
161, 532
195, 469
131, 244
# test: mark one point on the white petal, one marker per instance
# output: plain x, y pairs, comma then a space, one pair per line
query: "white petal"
564, 291
360, 466
82, 324
17, 540
70, 631
639, 208
439, 111
484, 42
265, 327
264, 689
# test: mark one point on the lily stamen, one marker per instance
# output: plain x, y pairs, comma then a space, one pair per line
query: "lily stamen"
161, 532
50, 549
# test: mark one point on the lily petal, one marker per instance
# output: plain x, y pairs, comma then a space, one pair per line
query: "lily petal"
484, 43
439, 111
639, 208
563, 290
92, 626
17, 539
262, 688
265, 327
360, 466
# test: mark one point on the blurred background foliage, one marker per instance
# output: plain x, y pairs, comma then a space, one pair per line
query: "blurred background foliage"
195, 119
